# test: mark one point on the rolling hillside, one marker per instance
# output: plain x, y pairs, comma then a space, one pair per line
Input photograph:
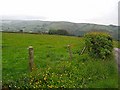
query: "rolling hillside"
77, 29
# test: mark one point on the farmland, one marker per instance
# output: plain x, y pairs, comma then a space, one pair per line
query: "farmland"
51, 58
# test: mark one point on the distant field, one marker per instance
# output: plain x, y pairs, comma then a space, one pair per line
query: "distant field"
50, 51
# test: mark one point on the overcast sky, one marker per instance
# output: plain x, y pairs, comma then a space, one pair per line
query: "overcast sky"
80, 11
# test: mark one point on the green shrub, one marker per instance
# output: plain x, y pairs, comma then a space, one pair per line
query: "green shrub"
99, 44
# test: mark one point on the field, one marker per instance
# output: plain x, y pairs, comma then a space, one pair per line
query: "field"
53, 67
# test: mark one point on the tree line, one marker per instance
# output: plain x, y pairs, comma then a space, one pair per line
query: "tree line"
59, 32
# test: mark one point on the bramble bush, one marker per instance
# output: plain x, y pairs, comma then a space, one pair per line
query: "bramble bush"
99, 44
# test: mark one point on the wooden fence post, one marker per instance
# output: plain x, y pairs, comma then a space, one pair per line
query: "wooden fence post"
70, 51
31, 57
82, 50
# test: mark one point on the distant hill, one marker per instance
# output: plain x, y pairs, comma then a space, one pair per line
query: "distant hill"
77, 29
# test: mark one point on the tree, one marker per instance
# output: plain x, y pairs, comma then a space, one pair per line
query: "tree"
51, 31
59, 32
62, 32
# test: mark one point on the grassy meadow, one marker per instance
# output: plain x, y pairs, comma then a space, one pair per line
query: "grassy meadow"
53, 67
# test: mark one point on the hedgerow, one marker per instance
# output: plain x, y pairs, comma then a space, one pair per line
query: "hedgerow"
99, 44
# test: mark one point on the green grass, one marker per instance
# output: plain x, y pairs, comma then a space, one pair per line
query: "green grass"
51, 58
116, 44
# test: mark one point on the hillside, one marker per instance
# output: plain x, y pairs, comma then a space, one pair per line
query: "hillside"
77, 29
